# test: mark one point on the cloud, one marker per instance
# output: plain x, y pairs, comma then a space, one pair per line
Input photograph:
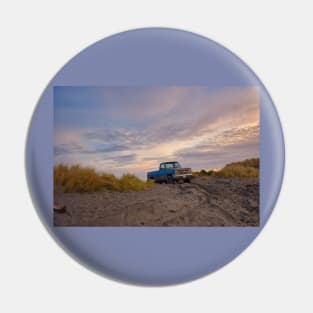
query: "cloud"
200, 113
125, 158
72, 148
106, 149
225, 147
67, 148
122, 136
231, 136
133, 129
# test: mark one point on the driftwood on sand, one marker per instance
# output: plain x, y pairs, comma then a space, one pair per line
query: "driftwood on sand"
59, 208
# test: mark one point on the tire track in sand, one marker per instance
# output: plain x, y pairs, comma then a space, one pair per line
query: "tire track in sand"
201, 189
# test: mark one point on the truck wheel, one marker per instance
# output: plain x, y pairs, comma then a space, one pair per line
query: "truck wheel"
170, 179
187, 180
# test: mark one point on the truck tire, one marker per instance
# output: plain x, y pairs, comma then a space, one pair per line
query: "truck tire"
170, 179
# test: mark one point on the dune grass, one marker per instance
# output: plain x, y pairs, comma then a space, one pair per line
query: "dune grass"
203, 173
76, 178
246, 168
132, 182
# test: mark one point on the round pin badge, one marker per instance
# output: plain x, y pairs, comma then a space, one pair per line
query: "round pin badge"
155, 156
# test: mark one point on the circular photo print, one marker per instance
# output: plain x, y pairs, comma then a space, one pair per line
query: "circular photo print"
155, 156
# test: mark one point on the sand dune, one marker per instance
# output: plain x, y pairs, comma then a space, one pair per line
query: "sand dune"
204, 202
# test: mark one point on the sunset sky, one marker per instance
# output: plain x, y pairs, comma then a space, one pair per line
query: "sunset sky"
133, 129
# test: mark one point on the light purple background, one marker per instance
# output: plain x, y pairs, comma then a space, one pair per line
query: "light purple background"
156, 255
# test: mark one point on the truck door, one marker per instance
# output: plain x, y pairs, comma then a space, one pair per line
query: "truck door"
162, 172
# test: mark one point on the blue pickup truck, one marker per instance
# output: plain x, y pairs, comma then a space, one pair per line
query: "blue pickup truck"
170, 172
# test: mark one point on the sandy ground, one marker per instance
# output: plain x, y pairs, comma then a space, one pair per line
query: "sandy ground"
203, 202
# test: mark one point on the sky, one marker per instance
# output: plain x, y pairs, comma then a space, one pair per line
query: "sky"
132, 129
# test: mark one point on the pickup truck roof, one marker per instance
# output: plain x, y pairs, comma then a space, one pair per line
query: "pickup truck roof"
172, 164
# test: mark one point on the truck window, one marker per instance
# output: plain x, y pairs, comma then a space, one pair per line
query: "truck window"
162, 165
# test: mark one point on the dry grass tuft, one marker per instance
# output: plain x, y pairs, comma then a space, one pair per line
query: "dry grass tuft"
76, 178
246, 168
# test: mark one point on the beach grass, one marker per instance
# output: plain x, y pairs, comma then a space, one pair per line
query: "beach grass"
243, 169
76, 178
247, 168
